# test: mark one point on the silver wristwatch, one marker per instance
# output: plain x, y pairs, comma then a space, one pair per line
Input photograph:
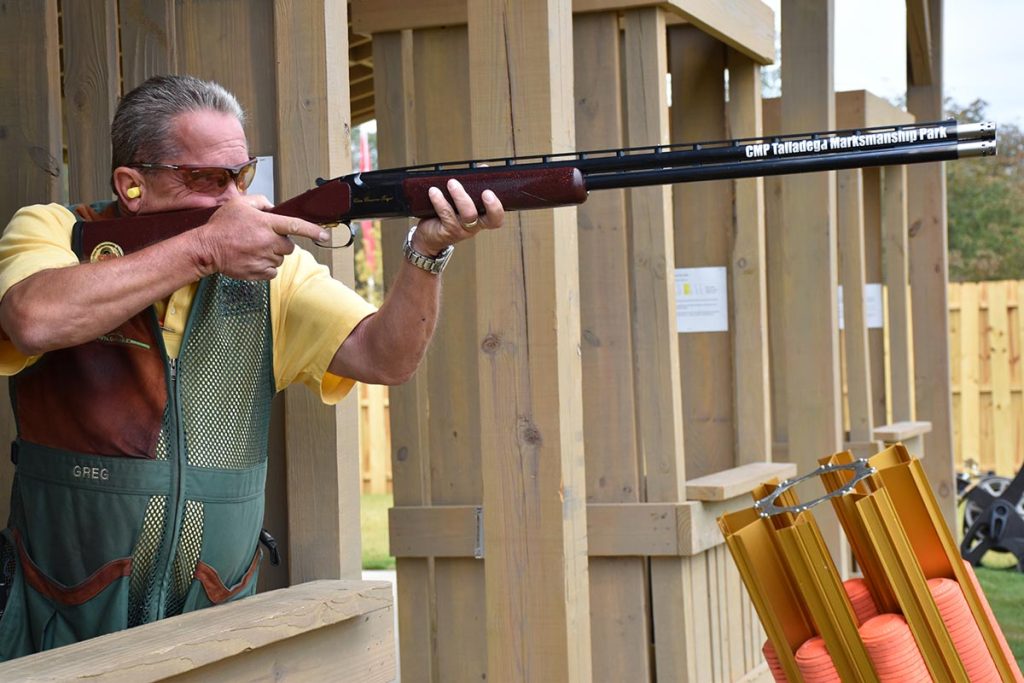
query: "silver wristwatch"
431, 264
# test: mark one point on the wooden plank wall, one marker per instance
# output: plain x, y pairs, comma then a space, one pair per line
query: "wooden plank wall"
250, 48
649, 618
30, 140
619, 626
986, 332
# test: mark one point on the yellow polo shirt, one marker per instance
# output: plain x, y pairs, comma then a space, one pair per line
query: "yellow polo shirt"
311, 312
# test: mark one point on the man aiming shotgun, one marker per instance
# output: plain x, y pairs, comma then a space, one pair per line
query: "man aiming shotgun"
168, 318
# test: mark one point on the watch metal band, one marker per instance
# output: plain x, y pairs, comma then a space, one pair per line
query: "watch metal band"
431, 264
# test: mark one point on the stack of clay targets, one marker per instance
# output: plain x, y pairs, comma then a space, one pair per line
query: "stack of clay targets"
917, 614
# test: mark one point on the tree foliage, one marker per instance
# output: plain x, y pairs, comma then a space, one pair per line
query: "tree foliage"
985, 203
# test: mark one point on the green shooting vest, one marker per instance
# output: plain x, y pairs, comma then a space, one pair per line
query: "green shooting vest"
139, 486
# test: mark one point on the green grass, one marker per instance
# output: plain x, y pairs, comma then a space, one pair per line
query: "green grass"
374, 523
1004, 589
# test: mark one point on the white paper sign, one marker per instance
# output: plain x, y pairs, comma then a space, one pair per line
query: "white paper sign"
872, 306
702, 303
263, 183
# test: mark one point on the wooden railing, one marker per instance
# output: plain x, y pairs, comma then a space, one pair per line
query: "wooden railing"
316, 631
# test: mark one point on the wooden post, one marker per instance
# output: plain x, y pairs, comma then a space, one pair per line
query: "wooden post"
748, 265
929, 271
537, 595
899, 327
322, 448
702, 216
850, 226
91, 86
655, 344
148, 40
620, 628
30, 118
809, 247
396, 135
873, 274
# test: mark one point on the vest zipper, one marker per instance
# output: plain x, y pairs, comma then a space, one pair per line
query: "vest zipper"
177, 488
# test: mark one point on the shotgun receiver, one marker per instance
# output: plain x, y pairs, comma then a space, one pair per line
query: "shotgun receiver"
551, 180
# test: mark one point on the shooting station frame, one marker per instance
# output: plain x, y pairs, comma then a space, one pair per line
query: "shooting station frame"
561, 457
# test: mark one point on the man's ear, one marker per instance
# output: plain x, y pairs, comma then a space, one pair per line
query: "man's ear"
130, 187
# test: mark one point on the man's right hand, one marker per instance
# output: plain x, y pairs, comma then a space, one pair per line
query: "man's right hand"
245, 242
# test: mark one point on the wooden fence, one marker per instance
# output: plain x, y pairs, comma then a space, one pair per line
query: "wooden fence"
986, 331
374, 439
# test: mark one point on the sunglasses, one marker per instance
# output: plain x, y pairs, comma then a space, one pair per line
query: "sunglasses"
208, 179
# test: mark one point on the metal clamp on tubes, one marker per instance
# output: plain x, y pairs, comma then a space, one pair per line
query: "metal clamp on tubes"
766, 507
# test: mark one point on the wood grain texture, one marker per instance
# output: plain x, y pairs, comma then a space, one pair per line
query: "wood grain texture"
744, 25
528, 332
749, 281
620, 630
312, 119
148, 40
737, 481
30, 139
850, 227
92, 87
897, 280
702, 219
929, 275
809, 246
323, 630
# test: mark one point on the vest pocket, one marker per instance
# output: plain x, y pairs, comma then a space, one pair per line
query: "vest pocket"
59, 615
14, 636
209, 589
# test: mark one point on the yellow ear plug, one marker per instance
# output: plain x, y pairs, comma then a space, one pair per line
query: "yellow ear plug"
133, 192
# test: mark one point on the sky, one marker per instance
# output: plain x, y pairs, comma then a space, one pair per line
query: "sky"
984, 51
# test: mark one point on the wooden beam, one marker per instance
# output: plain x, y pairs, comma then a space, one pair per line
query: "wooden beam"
861, 109
91, 86
813, 400
361, 53
411, 444
920, 57
148, 40
749, 272
850, 228
929, 275
30, 141
897, 281
618, 586
322, 451
528, 334
702, 218
662, 530
655, 344
322, 630
359, 73
738, 481
744, 25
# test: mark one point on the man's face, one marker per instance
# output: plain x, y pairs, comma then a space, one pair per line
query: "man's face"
204, 138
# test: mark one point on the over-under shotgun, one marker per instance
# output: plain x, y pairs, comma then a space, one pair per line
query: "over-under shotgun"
550, 180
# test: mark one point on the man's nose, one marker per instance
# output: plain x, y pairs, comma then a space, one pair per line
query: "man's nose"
230, 191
